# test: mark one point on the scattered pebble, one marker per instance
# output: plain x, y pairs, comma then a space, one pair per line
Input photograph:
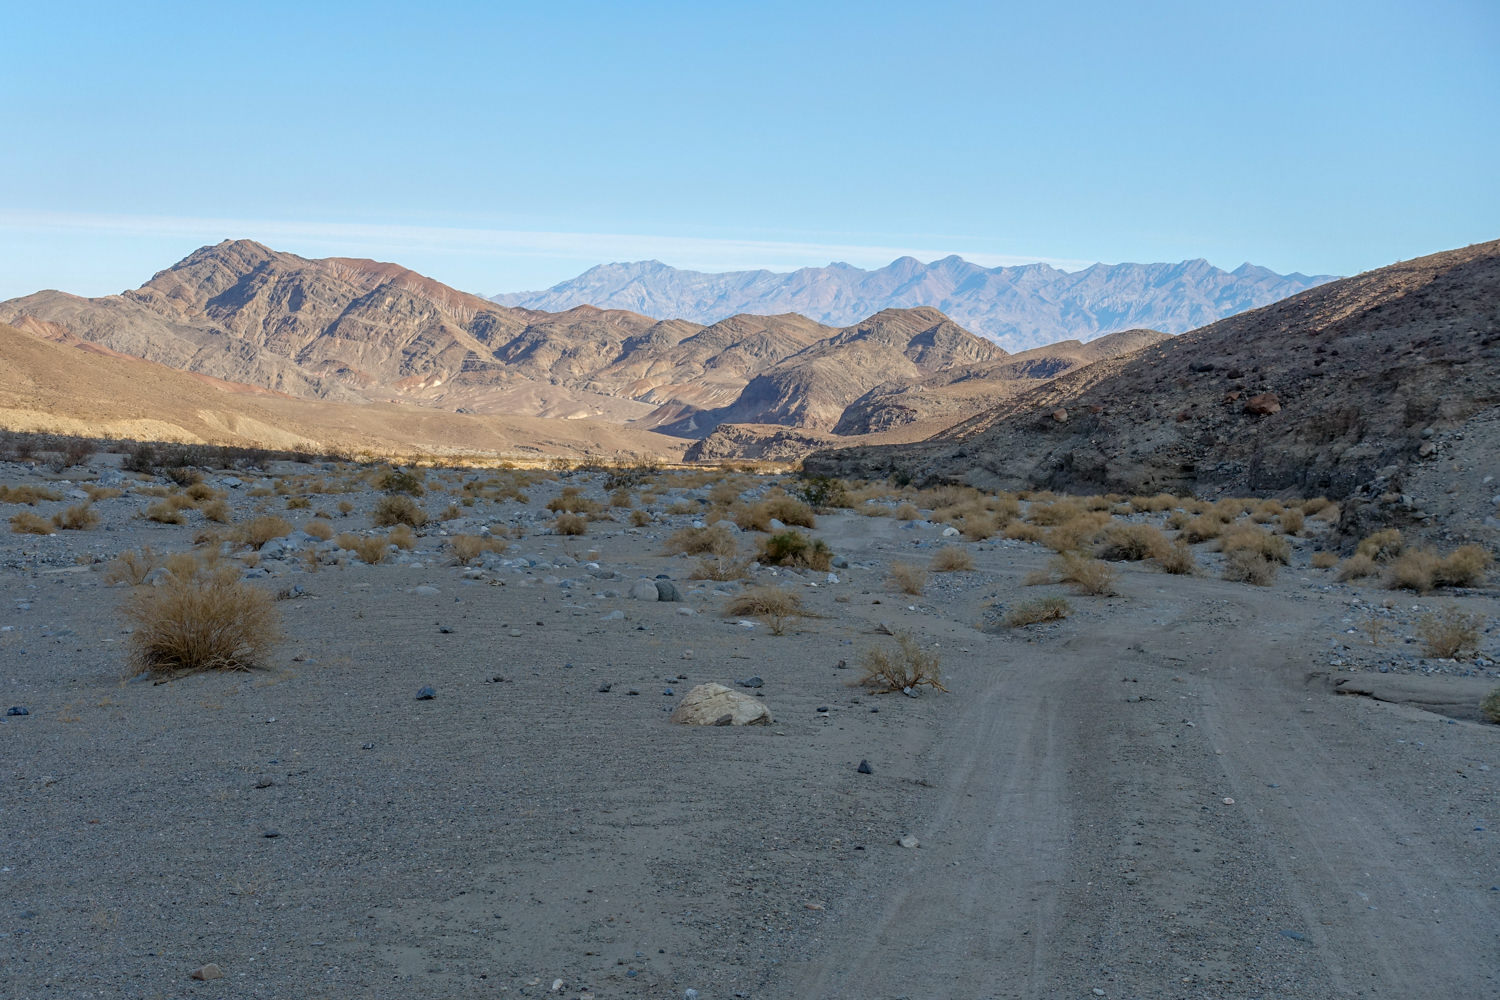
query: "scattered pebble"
426, 694
864, 767
209, 971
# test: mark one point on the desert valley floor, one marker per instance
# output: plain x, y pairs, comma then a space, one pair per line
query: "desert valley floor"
1171, 792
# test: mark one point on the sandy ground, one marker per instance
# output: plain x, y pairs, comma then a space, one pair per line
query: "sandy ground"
1163, 795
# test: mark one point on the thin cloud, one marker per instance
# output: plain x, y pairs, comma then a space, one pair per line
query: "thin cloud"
366, 239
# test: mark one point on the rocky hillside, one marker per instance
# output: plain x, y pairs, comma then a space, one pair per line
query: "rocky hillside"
1355, 389
359, 331
1019, 308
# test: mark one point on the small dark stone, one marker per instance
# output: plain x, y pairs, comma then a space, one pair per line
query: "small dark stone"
18, 710
426, 694
272, 834
632, 691
1294, 935
874, 710
725, 720
604, 688
369, 746
822, 708
751, 682
446, 630
667, 692
864, 767
27, 914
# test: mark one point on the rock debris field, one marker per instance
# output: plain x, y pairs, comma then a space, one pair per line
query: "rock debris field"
455, 771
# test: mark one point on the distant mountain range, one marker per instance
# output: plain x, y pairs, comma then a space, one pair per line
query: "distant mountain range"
1019, 308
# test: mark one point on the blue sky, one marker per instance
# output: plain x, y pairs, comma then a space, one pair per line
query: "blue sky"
501, 147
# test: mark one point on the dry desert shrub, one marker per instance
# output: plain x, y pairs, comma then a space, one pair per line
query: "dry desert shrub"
1382, 546
716, 539
951, 559
1324, 559
621, 498
1465, 566
131, 567
640, 517
793, 548
398, 508
979, 525
1022, 532
1051, 514
97, 493
1245, 538
570, 524
371, 549
199, 492
1414, 569
907, 512
1078, 534
1314, 505
208, 621
1490, 706
27, 494
1090, 577
775, 606
27, 523
79, 517
318, 528
1356, 567
1176, 558
1131, 543
1449, 634
905, 668
467, 548
786, 509
1157, 504
572, 501
299, 503
907, 578
1177, 520
1043, 609
162, 512
217, 511
720, 568
345, 508
258, 531
182, 565
1250, 566
1291, 521
402, 537
1203, 528
405, 481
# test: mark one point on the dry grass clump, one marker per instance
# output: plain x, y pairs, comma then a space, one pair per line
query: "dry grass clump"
640, 517
163, 512
1490, 706
199, 492
775, 606
1465, 566
398, 508
906, 512
1382, 546
572, 501
1043, 609
1250, 566
979, 525
258, 531
1023, 532
1449, 634
216, 511
1176, 558
570, 524
131, 567
903, 669
1051, 514
907, 578
906, 668
1077, 534
345, 508
1246, 538
97, 493
318, 528
1157, 504
206, 621
27, 523
1325, 559
793, 548
1131, 543
79, 517
951, 559
716, 539
467, 548
1291, 521
370, 549
1091, 577
1316, 505
786, 509
720, 568
27, 494
1356, 567
402, 537
1203, 528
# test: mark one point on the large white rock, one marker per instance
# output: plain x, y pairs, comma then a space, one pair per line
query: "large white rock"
717, 705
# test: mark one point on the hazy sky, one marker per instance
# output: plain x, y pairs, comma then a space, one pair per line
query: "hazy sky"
507, 146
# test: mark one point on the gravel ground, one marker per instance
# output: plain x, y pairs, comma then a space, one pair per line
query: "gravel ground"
1158, 796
